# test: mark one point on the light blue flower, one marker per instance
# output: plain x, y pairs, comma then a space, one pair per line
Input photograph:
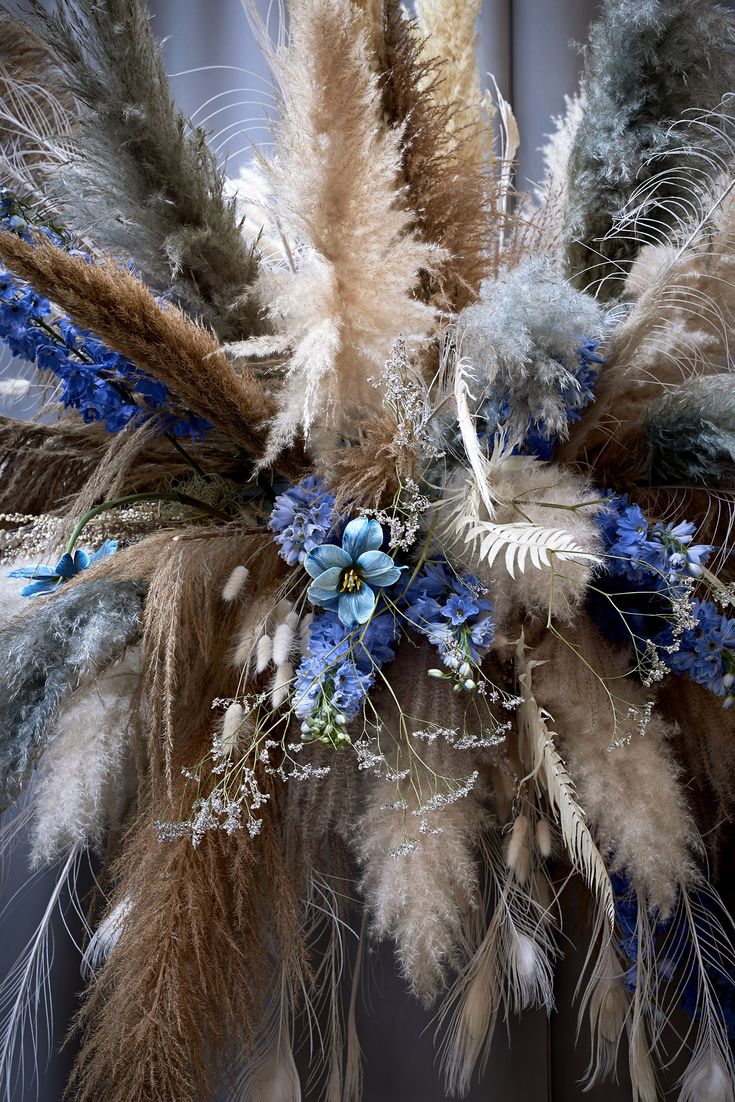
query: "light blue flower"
46, 578
346, 577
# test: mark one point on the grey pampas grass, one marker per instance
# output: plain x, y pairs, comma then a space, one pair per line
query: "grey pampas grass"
689, 434
649, 63
47, 654
138, 175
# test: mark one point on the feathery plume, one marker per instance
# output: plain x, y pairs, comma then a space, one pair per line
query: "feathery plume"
49, 653
109, 300
649, 62
138, 175
334, 180
83, 781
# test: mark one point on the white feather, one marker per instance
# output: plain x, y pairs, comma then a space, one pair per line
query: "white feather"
104, 939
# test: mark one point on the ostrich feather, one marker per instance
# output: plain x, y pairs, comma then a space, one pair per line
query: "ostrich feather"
47, 653
334, 183
84, 775
649, 62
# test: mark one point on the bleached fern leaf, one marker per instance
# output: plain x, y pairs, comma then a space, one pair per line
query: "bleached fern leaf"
522, 542
543, 763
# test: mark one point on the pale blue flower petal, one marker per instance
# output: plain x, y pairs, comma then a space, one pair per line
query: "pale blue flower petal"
65, 567
33, 572
356, 608
362, 535
324, 557
378, 568
327, 584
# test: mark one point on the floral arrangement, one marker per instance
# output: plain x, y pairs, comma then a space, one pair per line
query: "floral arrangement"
369, 568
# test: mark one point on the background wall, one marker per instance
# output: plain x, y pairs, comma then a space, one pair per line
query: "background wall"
219, 78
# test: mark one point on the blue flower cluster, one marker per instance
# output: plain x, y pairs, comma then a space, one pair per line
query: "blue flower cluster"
661, 555
100, 384
707, 652
449, 610
674, 933
302, 518
334, 678
44, 579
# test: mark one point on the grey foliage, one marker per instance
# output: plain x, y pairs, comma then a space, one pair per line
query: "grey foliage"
46, 654
689, 434
141, 180
522, 342
649, 62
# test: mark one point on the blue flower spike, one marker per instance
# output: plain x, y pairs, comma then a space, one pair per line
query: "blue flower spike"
44, 579
346, 577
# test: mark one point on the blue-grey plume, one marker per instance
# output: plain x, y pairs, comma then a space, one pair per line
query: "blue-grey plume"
649, 63
689, 434
46, 654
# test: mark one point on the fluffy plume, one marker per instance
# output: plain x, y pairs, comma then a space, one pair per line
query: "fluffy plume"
522, 342
84, 775
649, 62
105, 938
183, 987
114, 304
236, 583
621, 763
540, 226
46, 655
419, 861
138, 174
689, 434
334, 181
431, 96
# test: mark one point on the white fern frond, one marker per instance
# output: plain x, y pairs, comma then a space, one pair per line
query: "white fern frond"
522, 542
544, 765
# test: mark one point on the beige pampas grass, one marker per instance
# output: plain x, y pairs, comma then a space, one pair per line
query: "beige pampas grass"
621, 763
334, 182
86, 775
111, 302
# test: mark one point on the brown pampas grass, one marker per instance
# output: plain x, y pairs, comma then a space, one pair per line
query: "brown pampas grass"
52, 464
620, 760
188, 628
369, 473
334, 180
110, 301
442, 158
183, 994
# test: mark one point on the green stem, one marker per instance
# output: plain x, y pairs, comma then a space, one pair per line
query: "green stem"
134, 499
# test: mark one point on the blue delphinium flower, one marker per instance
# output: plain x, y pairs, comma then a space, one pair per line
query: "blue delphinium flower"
449, 610
46, 578
102, 385
660, 555
302, 518
346, 577
334, 678
707, 652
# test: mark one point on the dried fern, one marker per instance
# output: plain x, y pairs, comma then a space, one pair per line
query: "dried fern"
522, 541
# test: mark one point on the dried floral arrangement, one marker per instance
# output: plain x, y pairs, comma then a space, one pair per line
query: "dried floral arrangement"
376, 573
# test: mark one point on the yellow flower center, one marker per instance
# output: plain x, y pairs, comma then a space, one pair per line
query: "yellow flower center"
351, 582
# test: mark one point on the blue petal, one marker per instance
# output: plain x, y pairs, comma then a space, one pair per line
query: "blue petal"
45, 585
362, 535
330, 601
378, 568
81, 561
33, 572
327, 584
65, 567
356, 608
325, 557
